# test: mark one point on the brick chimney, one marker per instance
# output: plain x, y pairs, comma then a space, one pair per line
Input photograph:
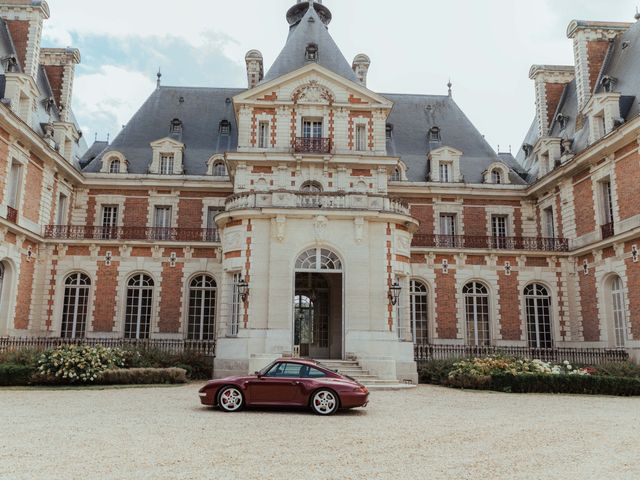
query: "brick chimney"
24, 19
360, 65
255, 67
60, 63
550, 81
591, 42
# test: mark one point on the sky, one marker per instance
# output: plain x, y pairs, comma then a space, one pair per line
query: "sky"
485, 47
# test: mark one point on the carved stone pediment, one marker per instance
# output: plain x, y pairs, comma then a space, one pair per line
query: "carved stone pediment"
312, 92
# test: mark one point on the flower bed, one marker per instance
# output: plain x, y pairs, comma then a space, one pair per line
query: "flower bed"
510, 374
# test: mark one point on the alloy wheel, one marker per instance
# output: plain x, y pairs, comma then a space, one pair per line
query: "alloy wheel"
324, 402
230, 399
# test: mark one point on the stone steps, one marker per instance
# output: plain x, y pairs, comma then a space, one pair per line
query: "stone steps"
353, 369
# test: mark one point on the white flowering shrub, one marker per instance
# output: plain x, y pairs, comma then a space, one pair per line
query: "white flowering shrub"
496, 364
79, 363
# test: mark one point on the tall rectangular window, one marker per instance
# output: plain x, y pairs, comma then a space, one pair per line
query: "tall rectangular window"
263, 135
445, 172
312, 128
499, 231
549, 223
212, 227
361, 137
166, 164
234, 320
109, 221
447, 224
61, 216
162, 223
607, 203
15, 182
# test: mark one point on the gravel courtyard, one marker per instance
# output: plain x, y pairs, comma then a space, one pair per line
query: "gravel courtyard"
428, 432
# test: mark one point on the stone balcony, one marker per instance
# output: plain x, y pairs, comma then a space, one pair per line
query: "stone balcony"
317, 201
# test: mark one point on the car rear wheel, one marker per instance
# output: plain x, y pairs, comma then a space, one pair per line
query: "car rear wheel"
324, 402
230, 399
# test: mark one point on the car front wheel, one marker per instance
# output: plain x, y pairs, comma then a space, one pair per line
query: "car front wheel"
324, 402
230, 399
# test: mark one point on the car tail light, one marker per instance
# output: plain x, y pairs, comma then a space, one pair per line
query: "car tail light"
361, 389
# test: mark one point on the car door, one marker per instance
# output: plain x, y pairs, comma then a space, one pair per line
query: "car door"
278, 386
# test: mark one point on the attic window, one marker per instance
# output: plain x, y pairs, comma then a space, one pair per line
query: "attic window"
388, 132
225, 127
434, 134
496, 176
176, 126
219, 169
311, 53
114, 166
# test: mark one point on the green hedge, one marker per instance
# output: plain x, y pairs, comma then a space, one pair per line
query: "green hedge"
618, 369
436, 372
568, 384
198, 366
142, 376
12, 374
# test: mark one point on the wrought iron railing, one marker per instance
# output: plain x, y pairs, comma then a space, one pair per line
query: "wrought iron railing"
203, 347
91, 232
12, 214
608, 230
498, 243
582, 356
312, 145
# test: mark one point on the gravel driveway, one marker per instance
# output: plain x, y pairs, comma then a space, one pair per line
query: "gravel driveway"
428, 432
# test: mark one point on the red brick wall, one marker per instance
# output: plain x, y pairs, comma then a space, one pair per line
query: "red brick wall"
19, 30
517, 222
136, 212
105, 297
170, 298
446, 307
55, 74
553, 93
475, 221
31, 192
424, 214
627, 184
510, 327
589, 304
25, 290
596, 51
585, 215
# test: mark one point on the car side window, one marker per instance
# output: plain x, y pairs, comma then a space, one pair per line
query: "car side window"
275, 371
314, 373
284, 369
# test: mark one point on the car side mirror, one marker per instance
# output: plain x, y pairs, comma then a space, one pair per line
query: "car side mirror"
258, 374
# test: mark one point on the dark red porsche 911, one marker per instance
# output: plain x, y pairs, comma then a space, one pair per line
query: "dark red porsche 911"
287, 382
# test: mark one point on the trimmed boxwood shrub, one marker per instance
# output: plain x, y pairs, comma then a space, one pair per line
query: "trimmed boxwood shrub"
12, 374
617, 369
198, 367
436, 372
142, 376
568, 384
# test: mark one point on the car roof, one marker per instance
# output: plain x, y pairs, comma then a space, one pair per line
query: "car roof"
301, 361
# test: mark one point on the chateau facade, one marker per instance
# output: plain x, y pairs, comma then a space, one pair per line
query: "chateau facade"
306, 214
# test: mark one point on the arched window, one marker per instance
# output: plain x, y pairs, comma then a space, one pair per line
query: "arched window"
538, 308
75, 306
311, 187
114, 166
418, 295
318, 259
311, 52
202, 308
476, 303
496, 176
219, 169
137, 322
396, 175
618, 312
176, 126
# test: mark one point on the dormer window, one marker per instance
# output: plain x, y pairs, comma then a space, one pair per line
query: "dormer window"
396, 175
114, 166
496, 176
388, 132
219, 169
434, 134
311, 53
446, 172
225, 127
176, 126
497, 173
166, 164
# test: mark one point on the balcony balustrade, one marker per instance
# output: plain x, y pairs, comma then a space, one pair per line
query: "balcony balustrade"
169, 234
492, 243
12, 214
312, 145
314, 200
607, 230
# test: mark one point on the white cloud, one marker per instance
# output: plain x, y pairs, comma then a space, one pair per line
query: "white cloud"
107, 97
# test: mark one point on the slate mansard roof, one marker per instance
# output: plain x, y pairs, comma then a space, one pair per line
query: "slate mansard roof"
202, 109
622, 63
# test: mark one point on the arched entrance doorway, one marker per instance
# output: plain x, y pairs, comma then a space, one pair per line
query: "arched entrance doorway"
317, 315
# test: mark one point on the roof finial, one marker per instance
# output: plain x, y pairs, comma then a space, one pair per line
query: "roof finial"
95, 138
159, 75
108, 135
637, 15
449, 85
